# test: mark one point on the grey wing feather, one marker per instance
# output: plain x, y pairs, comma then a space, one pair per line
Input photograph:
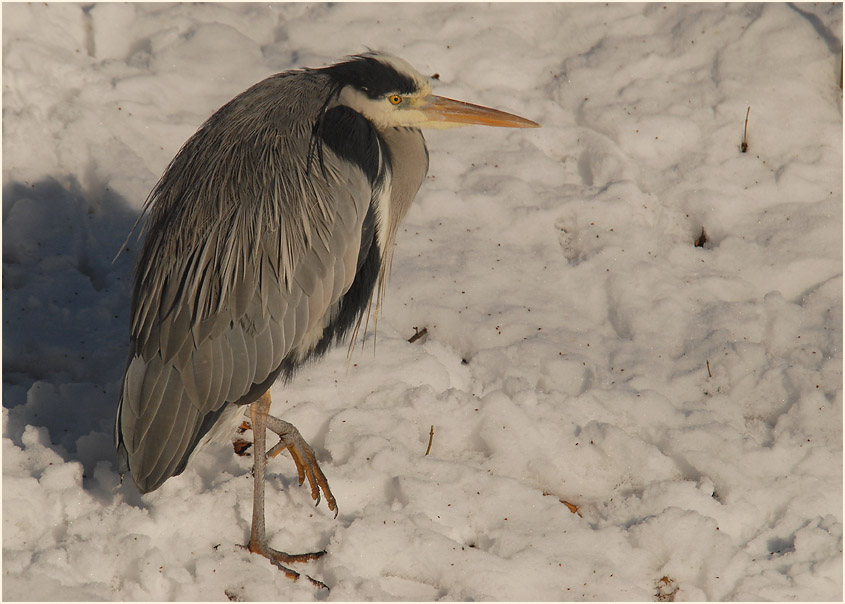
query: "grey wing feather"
224, 352
241, 373
218, 368
234, 278
263, 343
202, 370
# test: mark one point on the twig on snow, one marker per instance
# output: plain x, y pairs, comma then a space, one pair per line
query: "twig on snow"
744, 146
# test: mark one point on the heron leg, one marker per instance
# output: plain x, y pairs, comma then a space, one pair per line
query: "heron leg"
258, 413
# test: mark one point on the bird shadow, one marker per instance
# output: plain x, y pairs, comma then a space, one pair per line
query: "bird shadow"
65, 314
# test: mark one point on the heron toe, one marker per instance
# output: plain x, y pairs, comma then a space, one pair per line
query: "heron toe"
279, 559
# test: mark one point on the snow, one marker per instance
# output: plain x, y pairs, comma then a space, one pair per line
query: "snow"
580, 348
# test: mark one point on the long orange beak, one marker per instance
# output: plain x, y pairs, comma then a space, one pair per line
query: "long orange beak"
449, 111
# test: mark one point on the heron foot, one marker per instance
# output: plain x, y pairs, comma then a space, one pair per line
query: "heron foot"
279, 559
304, 458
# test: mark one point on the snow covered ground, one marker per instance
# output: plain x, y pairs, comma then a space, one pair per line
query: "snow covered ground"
685, 401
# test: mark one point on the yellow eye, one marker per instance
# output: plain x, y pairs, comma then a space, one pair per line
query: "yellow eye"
395, 99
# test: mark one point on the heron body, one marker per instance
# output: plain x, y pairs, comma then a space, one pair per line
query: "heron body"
266, 238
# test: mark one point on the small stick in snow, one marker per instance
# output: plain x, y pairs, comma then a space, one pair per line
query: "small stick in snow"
702, 239
666, 590
571, 507
430, 438
418, 333
744, 146
241, 446
708, 368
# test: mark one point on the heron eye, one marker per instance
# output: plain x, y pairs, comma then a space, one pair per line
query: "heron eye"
395, 99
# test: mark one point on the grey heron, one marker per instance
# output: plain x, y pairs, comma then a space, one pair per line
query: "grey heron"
266, 238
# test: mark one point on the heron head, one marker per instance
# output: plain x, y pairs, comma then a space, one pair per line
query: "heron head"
389, 92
